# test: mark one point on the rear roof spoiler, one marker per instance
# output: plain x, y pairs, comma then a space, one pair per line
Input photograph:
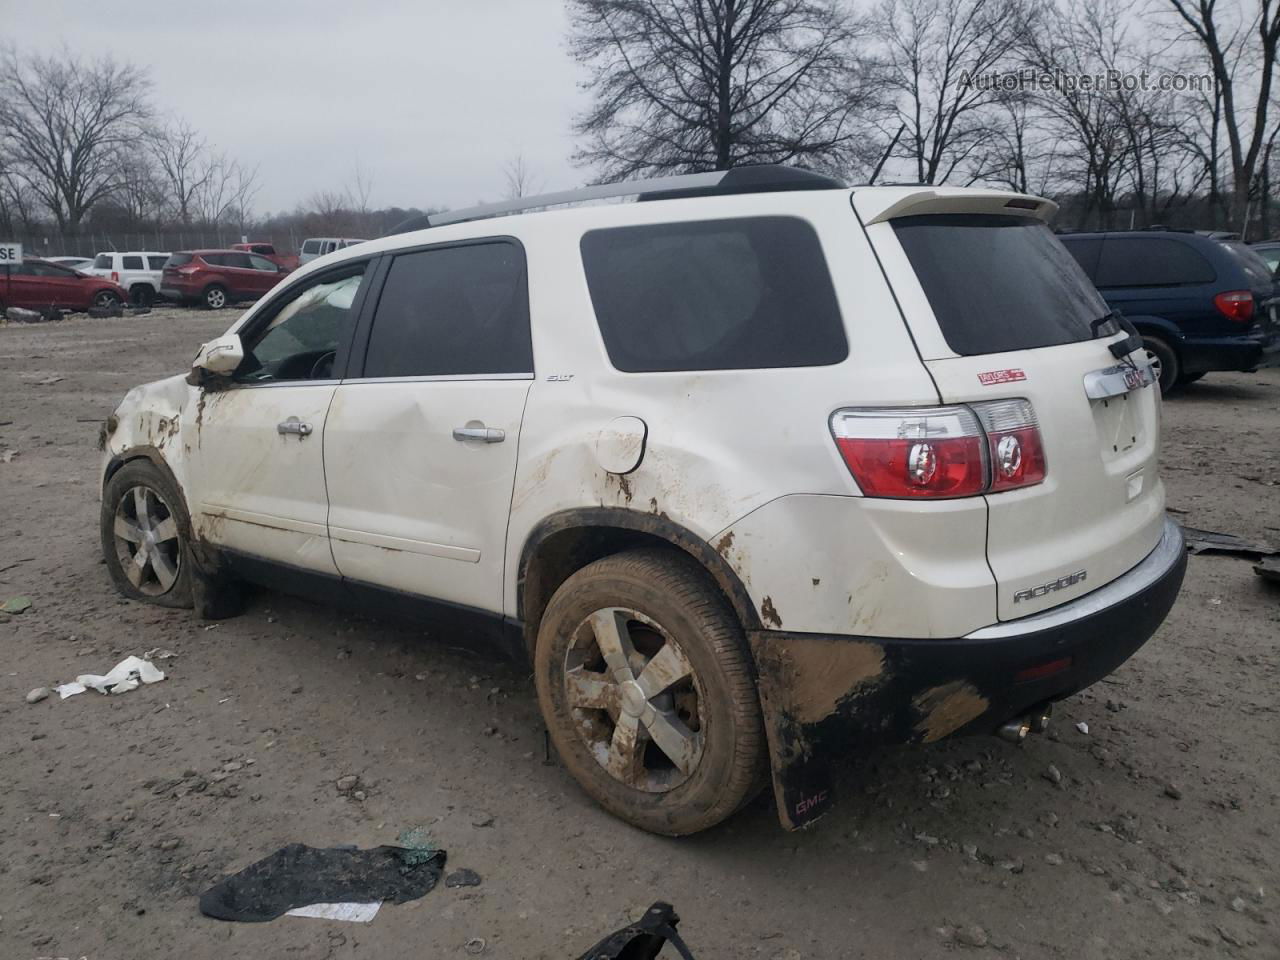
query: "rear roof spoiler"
883, 205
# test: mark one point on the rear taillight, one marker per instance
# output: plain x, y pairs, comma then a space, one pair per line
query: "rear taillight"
115, 277
1236, 305
941, 452
1013, 443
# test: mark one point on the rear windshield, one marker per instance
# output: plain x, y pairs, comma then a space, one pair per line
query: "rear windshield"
999, 283
178, 259
102, 261
311, 246
714, 295
1259, 273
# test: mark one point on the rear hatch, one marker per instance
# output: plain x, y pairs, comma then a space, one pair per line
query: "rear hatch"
999, 309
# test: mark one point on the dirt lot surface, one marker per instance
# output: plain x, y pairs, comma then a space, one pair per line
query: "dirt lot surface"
1154, 834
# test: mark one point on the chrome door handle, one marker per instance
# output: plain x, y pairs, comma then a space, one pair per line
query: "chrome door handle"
483, 434
293, 426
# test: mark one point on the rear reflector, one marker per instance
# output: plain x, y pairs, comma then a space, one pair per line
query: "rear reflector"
1040, 671
1236, 305
941, 452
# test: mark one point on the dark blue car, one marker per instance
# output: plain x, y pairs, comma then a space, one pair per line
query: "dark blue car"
1200, 304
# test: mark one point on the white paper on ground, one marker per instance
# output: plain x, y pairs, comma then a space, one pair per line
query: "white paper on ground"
355, 912
123, 677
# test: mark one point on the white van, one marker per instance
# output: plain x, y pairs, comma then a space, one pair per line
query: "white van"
319, 246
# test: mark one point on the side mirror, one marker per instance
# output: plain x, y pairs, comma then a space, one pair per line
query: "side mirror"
220, 357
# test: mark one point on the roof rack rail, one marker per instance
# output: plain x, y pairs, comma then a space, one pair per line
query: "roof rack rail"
765, 178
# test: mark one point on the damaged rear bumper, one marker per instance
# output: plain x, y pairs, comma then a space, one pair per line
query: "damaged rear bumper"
826, 696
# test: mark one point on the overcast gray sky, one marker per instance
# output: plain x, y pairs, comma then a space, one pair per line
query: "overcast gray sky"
434, 97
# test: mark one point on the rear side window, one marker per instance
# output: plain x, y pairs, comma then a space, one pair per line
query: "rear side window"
1151, 262
178, 260
999, 283
311, 246
133, 263
156, 263
453, 311
714, 295
102, 261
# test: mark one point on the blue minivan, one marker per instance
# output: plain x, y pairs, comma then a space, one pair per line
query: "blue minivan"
1200, 303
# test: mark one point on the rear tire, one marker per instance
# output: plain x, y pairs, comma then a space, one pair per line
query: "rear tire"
1189, 378
142, 295
106, 300
1165, 361
215, 297
669, 756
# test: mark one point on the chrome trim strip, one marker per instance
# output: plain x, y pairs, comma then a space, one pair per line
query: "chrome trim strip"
1113, 381
306, 527
423, 547
442, 378
1157, 563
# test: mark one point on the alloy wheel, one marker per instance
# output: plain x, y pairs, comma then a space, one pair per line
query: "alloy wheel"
147, 541
1156, 366
216, 299
636, 699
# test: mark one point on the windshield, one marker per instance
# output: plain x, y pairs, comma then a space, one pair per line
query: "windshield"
999, 283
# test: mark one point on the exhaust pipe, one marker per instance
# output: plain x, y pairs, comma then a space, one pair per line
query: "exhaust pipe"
1016, 730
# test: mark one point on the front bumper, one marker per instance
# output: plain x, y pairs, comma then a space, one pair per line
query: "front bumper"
827, 696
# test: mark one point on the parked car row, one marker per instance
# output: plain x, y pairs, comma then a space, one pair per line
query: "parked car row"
211, 278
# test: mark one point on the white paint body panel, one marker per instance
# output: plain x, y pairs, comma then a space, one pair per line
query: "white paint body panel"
743, 459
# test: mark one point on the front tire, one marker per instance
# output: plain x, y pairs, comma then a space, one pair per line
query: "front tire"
1164, 361
645, 685
146, 542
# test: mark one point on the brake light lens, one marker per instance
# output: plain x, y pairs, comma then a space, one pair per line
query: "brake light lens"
941, 452
1013, 441
115, 277
1236, 305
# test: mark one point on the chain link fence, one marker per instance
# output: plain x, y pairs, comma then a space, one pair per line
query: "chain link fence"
92, 242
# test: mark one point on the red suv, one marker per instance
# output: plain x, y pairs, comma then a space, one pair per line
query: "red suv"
218, 277
40, 285
268, 251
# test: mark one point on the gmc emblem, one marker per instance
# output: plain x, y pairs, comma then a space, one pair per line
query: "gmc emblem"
1070, 580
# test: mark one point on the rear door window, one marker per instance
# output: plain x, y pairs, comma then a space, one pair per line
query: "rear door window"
736, 294
133, 263
1151, 262
453, 311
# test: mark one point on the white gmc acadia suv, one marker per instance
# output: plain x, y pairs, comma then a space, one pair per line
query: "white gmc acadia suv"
755, 472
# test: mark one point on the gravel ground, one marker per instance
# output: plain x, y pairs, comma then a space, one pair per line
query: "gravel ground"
1153, 835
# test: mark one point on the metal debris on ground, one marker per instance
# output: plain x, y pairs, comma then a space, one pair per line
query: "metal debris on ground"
347, 879
1207, 541
642, 940
126, 675
462, 878
1268, 569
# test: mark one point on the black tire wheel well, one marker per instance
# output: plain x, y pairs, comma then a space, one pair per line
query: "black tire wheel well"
563, 553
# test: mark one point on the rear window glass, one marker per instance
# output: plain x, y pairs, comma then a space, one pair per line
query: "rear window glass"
311, 246
133, 263
1151, 262
102, 261
999, 283
1250, 261
178, 260
1085, 251
714, 295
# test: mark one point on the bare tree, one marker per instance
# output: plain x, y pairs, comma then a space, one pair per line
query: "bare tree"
227, 193
61, 121
520, 179
184, 162
139, 188
1240, 42
688, 85
935, 53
